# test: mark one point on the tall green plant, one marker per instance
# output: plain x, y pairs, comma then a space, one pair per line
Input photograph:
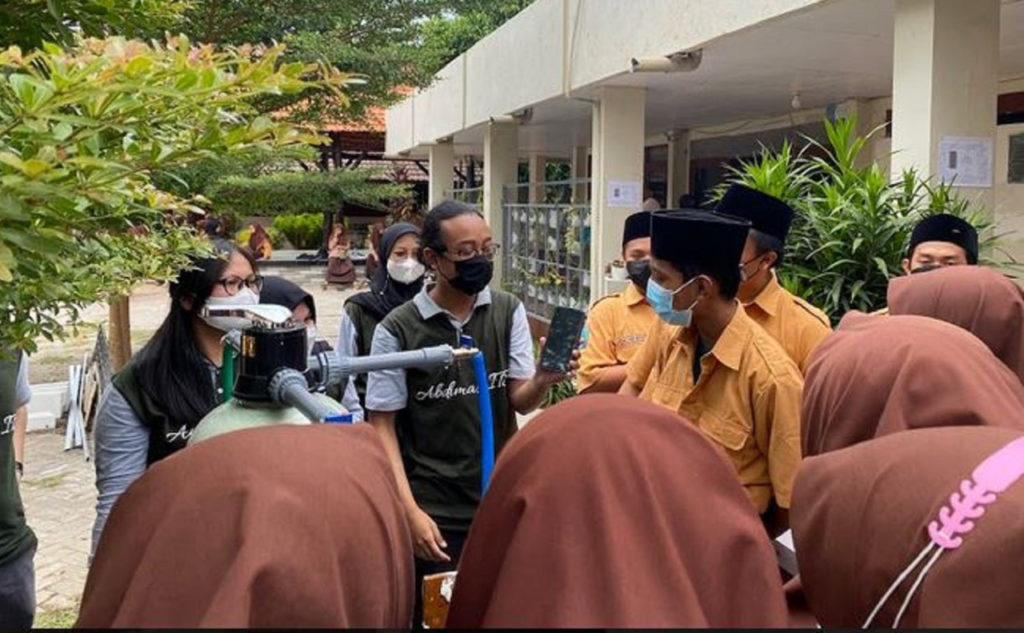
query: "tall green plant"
853, 223
780, 173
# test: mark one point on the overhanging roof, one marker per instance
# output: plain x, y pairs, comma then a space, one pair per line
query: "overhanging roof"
554, 56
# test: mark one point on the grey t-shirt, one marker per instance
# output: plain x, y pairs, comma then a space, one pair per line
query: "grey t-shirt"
122, 443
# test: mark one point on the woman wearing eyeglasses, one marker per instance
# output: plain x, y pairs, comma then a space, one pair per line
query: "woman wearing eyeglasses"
155, 401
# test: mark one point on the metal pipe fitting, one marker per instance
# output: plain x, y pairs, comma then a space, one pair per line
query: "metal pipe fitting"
288, 387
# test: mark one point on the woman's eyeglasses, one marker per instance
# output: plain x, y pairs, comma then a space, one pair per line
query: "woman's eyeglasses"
233, 285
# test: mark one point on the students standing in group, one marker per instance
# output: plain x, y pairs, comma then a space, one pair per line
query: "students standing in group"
17, 541
429, 418
156, 400
397, 279
709, 362
617, 325
794, 323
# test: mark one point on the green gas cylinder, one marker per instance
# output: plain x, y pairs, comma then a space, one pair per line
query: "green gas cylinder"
235, 415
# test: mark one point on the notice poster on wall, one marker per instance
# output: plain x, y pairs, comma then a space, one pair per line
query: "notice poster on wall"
624, 193
966, 161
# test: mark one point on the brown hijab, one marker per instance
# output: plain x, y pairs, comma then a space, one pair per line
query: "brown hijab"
277, 527
877, 375
978, 299
628, 518
860, 517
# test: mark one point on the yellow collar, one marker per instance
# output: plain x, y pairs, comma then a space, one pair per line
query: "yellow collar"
728, 349
769, 297
631, 295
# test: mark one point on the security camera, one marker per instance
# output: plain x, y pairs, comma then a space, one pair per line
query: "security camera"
521, 117
674, 63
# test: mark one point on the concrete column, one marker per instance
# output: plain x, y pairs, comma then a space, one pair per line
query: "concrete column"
442, 170
501, 164
538, 173
678, 167
618, 162
580, 171
945, 77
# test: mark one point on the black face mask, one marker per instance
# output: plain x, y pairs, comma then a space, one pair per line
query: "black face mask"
639, 271
472, 275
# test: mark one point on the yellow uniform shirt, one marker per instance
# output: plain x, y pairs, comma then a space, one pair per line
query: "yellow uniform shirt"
795, 324
616, 328
747, 399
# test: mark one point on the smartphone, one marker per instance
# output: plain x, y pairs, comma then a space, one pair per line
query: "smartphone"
563, 337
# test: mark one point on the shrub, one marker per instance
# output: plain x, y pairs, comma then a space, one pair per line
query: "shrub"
303, 230
852, 224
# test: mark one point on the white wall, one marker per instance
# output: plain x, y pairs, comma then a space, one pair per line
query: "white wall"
871, 115
399, 121
605, 34
557, 45
440, 109
517, 65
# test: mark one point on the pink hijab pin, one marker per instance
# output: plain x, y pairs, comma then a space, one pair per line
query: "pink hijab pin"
956, 519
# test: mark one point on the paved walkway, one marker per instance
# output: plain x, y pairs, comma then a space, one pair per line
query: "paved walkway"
60, 497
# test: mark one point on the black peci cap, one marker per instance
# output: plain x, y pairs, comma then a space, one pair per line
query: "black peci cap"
691, 237
767, 214
637, 226
944, 227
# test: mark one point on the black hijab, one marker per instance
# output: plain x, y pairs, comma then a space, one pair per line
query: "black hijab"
281, 292
386, 294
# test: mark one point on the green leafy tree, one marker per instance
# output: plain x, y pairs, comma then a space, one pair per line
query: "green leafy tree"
29, 23
82, 132
199, 178
390, 43
297, 193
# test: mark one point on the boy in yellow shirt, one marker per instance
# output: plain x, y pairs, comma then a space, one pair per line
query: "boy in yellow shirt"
797, 325
708, 361
618, 324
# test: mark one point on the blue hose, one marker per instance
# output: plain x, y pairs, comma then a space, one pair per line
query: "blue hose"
483, 388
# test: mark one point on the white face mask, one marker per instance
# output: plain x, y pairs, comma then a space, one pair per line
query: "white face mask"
244, 297
406, 270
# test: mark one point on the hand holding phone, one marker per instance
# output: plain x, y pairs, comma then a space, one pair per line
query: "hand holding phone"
562, 339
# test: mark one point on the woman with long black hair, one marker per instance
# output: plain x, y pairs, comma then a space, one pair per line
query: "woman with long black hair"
156, 400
